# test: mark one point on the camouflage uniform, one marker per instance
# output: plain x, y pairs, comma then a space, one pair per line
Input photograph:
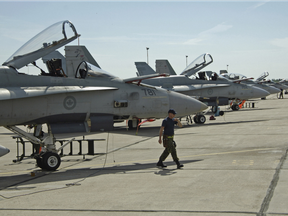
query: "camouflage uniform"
168, 143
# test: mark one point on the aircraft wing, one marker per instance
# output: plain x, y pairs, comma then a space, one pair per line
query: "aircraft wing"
185, 88
27, 92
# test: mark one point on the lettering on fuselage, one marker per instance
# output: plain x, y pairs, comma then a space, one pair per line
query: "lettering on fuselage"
69, 103
149, 92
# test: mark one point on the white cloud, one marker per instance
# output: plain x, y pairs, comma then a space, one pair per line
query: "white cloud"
217, 29
193, 41
207, 34
280, 42
257, 5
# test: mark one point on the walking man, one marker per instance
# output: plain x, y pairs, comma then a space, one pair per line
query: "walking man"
168, 136
281, 93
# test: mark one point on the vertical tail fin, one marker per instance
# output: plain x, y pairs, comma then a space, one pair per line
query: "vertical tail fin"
74, 56
163, 66
144, 69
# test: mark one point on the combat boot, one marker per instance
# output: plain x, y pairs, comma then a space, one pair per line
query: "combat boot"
179, 166
160, 164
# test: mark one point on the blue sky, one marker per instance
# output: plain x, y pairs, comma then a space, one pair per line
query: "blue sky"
250, 37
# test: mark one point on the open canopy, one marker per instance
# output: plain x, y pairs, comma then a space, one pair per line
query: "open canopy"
198, 64
50, 39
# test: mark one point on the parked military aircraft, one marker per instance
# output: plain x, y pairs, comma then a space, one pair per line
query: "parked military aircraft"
233, 76
79, 97
214, 92
3, 151
279, 85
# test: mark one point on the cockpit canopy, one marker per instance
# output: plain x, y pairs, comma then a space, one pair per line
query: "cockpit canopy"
50, 39
234, 76
85, 69
198, 64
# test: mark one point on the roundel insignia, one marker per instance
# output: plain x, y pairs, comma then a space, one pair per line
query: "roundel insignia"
210, 91
69, 102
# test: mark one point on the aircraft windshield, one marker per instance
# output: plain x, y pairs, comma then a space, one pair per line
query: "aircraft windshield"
234, 76
50, 39
95, 71
198, 64
262, 76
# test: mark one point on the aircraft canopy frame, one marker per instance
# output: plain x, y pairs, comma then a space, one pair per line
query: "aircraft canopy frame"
45, 42
198, 64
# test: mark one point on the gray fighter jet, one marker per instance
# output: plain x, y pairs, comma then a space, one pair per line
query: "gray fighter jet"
74, 96
259, 84
214, 92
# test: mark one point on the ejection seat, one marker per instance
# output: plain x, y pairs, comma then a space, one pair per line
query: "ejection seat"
55, 68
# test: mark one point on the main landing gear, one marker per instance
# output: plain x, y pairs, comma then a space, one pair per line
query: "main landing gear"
47, 158
133, 124
48, 161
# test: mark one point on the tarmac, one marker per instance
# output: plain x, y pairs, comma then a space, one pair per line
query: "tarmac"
234, 165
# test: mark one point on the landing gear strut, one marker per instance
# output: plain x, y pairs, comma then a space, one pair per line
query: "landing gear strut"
48, 158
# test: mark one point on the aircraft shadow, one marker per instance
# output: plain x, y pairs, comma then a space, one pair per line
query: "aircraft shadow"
223, 123
142, 131
18, 181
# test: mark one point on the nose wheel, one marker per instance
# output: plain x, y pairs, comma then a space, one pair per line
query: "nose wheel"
199, 119
49, 161
235, 107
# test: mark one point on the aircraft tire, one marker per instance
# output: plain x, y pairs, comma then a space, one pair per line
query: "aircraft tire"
51, 161
236, 107
214, 109
39, 162
201, 119
130, 125
195, 118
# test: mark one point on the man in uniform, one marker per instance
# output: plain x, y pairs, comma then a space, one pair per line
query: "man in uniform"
281, 93
168, 142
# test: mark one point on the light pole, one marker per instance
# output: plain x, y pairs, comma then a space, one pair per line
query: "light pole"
147, 55
186, 60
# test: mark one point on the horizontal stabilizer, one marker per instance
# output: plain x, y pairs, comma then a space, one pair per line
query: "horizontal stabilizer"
27, 92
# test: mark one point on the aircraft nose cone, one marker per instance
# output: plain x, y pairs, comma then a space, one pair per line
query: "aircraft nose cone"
260, 93
3, 150
185, 105
273, 90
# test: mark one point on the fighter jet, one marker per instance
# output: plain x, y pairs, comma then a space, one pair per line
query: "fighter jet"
3, 150
235, 76
214, 92
77, 98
